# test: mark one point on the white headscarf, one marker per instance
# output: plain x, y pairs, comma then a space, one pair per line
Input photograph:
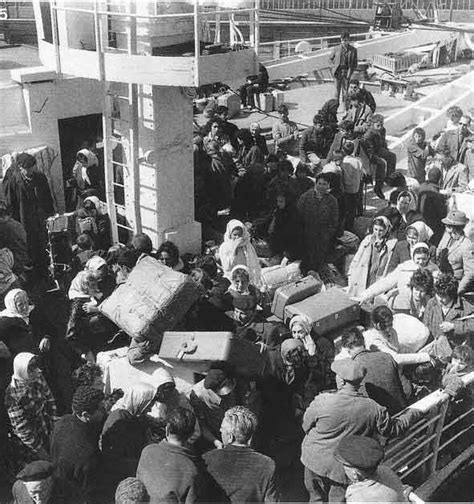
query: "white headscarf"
11, 310
137, 399
246, 255
423, 230
97, 203
95, 263
20, 368
79, 288
91, 161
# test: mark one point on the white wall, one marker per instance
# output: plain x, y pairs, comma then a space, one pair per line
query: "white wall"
46, 102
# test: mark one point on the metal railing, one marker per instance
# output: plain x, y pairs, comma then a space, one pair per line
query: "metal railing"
271, 52
439, 437
357, 4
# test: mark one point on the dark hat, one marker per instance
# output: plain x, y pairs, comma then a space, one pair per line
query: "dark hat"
215, 379
360, 452
455, 218
36, 471
244, 302
349, 370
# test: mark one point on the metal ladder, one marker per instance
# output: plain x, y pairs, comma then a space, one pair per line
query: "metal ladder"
129, 143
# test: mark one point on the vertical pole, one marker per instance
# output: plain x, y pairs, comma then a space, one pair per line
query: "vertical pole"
98, 41
451, 11
133, 122
217, 34
197, 43
257, 25
55, 32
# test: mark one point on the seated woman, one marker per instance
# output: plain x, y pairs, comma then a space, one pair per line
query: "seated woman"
384, 338
372, 258
168, 254
31, 409
416, 232
237, 250
84, 294
92, 220
125, 432
241, 285
210, 399
397, 283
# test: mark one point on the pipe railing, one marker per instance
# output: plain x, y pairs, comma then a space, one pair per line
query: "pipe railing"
427, 447
311, 5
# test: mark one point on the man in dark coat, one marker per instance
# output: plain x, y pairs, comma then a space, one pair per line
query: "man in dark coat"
170, 470
243, 474
382, 381
333, 416
254, 85
29, 199
432, 204
75, 446
368, 97
453, 139
344, 61
312, 143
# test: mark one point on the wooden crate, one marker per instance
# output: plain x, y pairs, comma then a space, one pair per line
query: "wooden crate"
396, 62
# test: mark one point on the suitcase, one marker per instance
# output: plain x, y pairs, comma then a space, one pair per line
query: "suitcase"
64, 223
200, 349
277, 276
266, 102
293, 293
278, 98
231, 101
329, 310
152, 300
349, 241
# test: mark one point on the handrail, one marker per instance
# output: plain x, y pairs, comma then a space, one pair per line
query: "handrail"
416, 455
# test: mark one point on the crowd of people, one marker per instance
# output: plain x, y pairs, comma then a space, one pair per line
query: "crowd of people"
314, 414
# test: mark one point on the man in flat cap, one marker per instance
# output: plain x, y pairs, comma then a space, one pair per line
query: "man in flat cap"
333, 416
369, 480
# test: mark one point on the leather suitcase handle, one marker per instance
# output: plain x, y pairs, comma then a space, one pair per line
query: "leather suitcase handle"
187, 347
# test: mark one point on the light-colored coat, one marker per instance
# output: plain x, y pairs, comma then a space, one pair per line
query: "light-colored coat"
461, 259
359, 269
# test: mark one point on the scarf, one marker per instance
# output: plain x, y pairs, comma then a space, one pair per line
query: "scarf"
79, 289
91, 161
11, 301
20, 369
207, 396
303, 321
424, 232
137, 399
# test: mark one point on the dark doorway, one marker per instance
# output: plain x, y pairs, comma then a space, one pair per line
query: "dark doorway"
76, 133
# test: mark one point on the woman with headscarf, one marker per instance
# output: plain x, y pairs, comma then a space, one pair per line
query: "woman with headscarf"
168, 399
83, 293
93, 220
125, 432
237, 249
416, 232
397, 285
372, 258
85, 178
210, 399
407, 208
31, 408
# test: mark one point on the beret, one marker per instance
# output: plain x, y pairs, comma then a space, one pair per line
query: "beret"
349, 370
36, 471
360, 452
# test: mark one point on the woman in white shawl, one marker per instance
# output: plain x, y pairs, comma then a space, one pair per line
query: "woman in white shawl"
31, 408
85, 176
125, 432
237, 249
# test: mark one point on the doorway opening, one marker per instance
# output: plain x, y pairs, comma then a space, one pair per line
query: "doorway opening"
76, 133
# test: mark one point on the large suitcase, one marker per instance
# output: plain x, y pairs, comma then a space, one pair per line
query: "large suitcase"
293, 293
231, 101
152, 300
278, 98
199, 349
329, 310
266, 102
276, 276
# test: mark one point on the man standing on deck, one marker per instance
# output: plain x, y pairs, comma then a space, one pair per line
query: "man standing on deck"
344, 61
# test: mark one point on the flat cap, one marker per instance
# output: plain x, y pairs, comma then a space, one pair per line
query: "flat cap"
360, 452
349, 370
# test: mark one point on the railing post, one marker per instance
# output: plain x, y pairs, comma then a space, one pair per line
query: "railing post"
55, 33
256, 16
197, 43
436, 428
